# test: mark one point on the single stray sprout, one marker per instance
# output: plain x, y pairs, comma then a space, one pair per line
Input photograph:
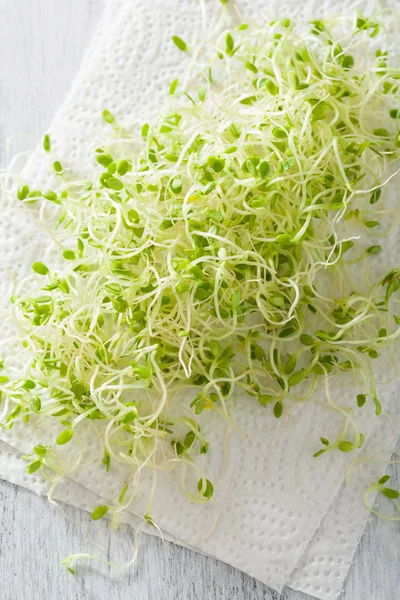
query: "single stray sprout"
66, 562
215, 252
389, 493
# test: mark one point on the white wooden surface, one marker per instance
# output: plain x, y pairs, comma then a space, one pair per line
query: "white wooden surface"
41, 43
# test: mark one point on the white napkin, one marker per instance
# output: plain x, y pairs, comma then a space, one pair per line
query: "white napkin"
279, 514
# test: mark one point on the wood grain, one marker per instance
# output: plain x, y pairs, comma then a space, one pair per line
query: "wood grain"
41, 43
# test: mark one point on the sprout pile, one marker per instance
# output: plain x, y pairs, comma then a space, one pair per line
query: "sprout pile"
211, 253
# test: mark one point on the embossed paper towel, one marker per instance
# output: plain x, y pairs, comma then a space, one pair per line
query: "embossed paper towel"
324, 565
268, 510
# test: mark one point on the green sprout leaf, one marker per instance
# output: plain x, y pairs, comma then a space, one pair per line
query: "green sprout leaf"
40, 268
389, 493
47, 143
23, 192
173, 87
99, 512
69, 255
108, 117
206, 491
361, 400
307, 340
33, 467
266, 399
64, 437
346, 446
149, 520
278, 409
179, 43
384, 479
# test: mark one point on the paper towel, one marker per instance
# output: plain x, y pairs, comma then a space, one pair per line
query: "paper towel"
269, 509
324, 565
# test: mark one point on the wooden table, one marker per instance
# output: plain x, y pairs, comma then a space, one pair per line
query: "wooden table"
41, 43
